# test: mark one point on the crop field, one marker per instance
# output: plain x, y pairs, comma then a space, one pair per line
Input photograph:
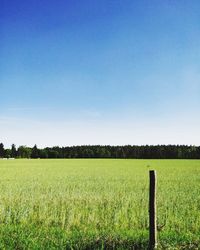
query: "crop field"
97, 204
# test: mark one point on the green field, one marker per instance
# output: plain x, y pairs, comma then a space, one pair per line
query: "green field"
97, 204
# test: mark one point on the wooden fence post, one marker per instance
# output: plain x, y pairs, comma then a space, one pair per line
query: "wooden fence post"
152, 211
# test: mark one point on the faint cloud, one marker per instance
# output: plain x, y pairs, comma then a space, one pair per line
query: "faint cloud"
91, 113
191, 81
26, 109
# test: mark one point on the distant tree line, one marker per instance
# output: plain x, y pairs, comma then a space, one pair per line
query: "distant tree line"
99, 151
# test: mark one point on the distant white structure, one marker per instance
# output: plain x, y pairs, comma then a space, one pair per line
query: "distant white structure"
7, 158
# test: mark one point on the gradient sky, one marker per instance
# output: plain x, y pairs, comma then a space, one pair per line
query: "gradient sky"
99, 72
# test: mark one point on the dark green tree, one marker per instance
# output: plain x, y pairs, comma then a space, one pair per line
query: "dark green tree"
43, 153
13, 151
1, 150
24, 152
7, 153
35, 152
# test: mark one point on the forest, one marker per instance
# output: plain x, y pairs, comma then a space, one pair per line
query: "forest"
100, 151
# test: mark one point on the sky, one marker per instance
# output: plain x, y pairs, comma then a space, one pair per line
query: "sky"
112, 72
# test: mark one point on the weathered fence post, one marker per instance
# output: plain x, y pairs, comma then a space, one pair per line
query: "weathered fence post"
152, 211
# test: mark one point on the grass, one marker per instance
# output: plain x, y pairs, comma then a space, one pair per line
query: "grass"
97, 204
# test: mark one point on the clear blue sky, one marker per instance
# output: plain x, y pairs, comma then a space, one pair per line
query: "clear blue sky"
99, 72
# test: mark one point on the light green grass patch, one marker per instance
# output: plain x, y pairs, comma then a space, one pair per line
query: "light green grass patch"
77, 204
